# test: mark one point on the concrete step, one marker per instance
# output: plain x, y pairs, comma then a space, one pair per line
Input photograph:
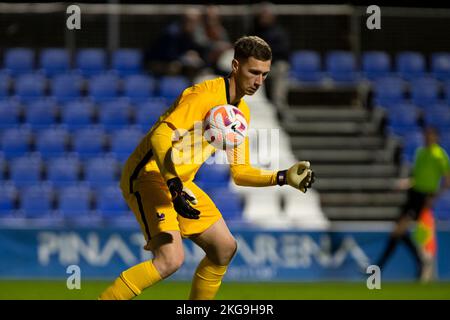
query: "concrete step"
334, 142
379, 199
342, 156
355, 184
323, 127
355, 171
327, 113
361, 213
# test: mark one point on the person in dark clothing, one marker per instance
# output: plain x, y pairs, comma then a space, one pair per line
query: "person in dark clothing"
178, 48
267, 27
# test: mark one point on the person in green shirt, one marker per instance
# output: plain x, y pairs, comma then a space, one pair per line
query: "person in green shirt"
431, 165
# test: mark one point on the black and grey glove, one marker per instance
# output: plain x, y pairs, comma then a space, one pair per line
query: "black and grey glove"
182, 198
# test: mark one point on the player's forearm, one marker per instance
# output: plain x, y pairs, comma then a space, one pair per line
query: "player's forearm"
245, 175
161, 141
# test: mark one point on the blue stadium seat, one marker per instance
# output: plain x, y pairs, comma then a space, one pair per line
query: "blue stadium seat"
445, 139
26, 171
16, 142
89, 142
4, 85
123, 142
30, 87
376, 64
442, 206
438, 116
114, 115
74, 201
103, 88
170, 87
101, 172
389, 91
19, 61
41, 114
440, 65
63, 171
229, 203
54, 61
110, 203
127, 61
9, 114
148, 113
52, 142
77, 115
341, 66
37, 201
91, 62
402, 130
306, 66
411, 141
403, 114
447, 92
213, 175
424, 91
410, 64
8, 196
66, 87
139, 88
403, 118
3, 166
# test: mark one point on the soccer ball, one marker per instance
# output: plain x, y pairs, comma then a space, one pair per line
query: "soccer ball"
225, 127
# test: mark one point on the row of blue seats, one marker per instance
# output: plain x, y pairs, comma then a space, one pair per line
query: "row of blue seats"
423, 91
114, 115
78, 201
57, 141
342, 66
101, 171
407, 114
100, 88
89, 61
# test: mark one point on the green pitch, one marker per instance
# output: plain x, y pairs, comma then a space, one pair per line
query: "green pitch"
24, 289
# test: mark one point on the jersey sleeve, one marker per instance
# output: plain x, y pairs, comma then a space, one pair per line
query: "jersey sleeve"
191, 107
243, 173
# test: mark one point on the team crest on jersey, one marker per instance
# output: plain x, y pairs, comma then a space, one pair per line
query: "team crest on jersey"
160, 216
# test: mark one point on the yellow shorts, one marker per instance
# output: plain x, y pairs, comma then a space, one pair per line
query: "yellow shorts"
152, 205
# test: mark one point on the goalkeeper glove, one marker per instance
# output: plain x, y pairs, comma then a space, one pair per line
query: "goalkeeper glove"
299, 176
181, 199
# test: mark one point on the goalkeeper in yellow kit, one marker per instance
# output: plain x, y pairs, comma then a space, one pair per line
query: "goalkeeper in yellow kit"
157, 180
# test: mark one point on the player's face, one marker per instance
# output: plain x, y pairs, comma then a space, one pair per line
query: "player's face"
250, 74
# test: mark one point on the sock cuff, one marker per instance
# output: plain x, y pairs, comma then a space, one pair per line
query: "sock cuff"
136, 291
153, 273
213, 268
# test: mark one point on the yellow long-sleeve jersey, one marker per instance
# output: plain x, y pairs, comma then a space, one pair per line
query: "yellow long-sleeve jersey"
175, 145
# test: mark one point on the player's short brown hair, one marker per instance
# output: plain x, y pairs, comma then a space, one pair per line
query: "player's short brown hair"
252, 46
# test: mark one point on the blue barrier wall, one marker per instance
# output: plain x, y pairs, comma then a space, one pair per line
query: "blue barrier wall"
262, 255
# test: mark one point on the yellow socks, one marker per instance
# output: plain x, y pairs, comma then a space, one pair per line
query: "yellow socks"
207, 280
131, 282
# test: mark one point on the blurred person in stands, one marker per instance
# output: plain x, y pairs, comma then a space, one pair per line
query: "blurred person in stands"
215, 35
160, 191
267, 27
178, 49
430, 176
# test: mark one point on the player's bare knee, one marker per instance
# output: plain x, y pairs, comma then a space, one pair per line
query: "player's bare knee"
227, 253
168, 265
